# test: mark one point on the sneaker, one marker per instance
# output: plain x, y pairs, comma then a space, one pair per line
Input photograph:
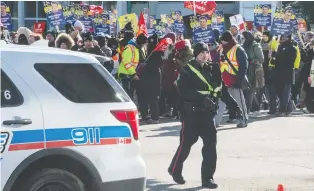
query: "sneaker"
231, 121
210, 184
256, 114
177, 178
242, 125
152, 121
281, 114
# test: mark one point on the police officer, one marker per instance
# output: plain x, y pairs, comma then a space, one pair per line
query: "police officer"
200, 86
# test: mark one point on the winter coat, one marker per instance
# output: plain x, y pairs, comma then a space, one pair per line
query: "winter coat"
284, 64
95, 50
107, 51
150, 79
168, 73
26, 32
64, 38
255, 68
307, 57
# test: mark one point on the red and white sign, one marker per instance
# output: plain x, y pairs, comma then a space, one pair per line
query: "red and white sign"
238, 20
201, 7
39, 27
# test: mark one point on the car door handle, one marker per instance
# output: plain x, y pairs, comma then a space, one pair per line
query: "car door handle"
17, 122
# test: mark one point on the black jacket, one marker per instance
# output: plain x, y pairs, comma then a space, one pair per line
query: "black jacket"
96, 50
189, 84
284, 64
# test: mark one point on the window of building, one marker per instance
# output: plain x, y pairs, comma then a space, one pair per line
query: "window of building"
80, 83
30, 9
34, 12
10, 95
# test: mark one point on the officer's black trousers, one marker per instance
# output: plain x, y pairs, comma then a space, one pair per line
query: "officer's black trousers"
194, 125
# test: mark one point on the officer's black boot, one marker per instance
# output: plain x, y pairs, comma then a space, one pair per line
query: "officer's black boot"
210, 184
177, 178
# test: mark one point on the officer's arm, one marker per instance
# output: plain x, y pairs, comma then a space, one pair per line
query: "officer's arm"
227, 98
187, 91
127, 60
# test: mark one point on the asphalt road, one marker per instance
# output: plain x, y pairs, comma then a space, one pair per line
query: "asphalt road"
270, 151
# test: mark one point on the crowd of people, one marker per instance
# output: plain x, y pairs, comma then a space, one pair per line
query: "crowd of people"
260, 71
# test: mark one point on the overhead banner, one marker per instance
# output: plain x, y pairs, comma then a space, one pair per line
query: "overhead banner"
201, 7
262, 15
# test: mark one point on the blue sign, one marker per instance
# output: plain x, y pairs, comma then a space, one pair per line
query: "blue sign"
88, 23
262, 15
53, 10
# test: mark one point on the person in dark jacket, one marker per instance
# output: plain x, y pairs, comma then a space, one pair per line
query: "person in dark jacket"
284, 73
102, 42
90, 45
200, 86
150, 85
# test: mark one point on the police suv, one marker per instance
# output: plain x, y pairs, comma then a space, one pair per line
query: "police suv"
66, 124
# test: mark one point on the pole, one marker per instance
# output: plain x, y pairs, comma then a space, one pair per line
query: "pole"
194, 8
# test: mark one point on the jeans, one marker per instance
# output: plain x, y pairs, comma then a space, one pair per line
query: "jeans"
284, 94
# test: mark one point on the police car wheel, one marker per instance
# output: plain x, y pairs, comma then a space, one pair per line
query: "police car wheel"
52, 180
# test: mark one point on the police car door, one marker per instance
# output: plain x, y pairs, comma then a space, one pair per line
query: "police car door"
21, 122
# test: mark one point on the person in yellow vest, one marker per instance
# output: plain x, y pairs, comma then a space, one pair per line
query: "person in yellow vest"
233, 66
132, 55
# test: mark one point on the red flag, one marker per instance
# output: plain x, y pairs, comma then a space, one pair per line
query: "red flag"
163, 45
142, 26
201, 7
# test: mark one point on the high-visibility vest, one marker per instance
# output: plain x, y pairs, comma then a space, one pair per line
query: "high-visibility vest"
210, 90
130, 60
232, 56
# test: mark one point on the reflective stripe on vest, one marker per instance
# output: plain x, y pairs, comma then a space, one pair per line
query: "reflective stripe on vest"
210, 88
232, 55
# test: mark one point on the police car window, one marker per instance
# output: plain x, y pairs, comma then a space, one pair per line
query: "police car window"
80, 83
10, 95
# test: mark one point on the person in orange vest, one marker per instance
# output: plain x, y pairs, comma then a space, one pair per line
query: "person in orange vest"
132, 55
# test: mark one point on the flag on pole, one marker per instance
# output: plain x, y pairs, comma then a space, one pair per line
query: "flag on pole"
142, 25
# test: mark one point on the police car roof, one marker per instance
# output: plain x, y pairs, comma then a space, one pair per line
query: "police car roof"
46, 54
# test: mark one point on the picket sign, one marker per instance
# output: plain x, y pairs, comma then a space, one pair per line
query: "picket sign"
238, 20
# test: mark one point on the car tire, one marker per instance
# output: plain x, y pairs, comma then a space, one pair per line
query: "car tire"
52, 179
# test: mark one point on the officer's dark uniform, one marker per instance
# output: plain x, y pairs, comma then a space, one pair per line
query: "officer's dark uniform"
200, 88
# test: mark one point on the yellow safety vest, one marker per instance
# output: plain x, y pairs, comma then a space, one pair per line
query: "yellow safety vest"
232, 56
130, 60
210, 90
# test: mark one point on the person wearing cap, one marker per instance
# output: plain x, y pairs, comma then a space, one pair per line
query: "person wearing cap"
90, 45
132, 55
200, 86
284, 73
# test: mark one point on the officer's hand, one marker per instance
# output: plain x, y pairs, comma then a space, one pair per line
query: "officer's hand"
208, 102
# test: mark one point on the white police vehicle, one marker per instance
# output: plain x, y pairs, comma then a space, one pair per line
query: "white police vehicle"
66, 124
